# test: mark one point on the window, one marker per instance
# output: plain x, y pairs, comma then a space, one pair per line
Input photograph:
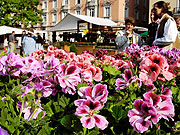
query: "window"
78, 1
44, 4
137, 2
136, 15
126, 12
54, 3
144, 17
66, 2
44, 16
92, 12
107, 11
54, 17
64, 13
78, 12
144, 3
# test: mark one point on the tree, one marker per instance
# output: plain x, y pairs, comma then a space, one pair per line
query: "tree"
17, 12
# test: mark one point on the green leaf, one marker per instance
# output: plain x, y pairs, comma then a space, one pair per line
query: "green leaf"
177, 125
94, 132
81, 85
174, 90
48, 109
63, 101
112, 70
46, 130
66, 121
117, 112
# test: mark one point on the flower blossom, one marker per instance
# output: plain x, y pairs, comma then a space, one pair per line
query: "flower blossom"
3, 132
151, 110
92, 72
88, 111
126, 80
68, 78
97, 93
31, 113
152, 66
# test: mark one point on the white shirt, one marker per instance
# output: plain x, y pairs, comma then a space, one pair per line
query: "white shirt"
5, 42
169, 35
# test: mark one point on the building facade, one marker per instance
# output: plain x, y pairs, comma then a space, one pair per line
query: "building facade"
139, 10
55, 10
116, 10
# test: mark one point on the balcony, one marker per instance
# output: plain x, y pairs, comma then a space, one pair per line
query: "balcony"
78, 6
64, 7
53, 23
44, 10
91, 3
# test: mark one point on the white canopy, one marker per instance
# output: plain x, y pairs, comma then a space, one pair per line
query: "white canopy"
7, 30
70, 22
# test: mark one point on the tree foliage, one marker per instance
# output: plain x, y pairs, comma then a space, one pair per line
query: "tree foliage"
17, 12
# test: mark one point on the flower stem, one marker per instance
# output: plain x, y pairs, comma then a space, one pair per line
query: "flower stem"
22, 106
85, 130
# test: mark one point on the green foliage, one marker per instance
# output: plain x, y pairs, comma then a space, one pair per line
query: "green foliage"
17, 12
73, 48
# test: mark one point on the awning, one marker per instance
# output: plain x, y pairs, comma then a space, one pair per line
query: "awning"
70, 22
7, 30
140, 28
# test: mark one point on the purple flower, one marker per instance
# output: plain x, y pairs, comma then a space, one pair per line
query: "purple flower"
31, 65
151, 110
3, 132
126, 80
52, 65
29, 111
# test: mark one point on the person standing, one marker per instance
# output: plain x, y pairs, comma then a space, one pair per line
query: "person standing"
166, 33
11, 42
127, 37
22, 45
29, 44
39, 42
152, 27
6, 44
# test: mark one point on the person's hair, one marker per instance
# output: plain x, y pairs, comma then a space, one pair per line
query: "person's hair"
164, 5
155, 16
13, 31
130, 20
29, 33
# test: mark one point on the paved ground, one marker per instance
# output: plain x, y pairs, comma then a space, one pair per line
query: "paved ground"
16, 51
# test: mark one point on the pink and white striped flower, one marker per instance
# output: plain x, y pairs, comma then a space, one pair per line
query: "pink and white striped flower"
88, 111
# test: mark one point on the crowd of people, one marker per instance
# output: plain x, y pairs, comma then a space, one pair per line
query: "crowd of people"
162, 31
27, 43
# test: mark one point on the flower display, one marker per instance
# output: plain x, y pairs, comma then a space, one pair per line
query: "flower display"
3, 132
53, 91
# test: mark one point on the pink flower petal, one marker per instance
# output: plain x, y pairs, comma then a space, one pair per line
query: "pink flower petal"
88, 122
100, 122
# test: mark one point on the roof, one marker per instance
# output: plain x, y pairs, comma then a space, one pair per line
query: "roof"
7, 30
70, 22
